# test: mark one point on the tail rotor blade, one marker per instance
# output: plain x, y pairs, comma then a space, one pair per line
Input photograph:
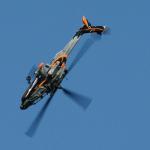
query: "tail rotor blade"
35, 124
79, 99
85, 22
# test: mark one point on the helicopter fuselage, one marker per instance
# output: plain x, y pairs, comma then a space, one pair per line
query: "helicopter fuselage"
50, 81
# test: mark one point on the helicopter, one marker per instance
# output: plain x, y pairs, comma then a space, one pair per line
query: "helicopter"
47, 78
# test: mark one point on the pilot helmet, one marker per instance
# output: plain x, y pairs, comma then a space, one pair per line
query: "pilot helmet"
40, 66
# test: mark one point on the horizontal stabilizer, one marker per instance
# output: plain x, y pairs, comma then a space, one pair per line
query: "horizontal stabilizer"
88, 28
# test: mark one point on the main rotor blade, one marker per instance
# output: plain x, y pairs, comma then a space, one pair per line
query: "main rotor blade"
35, 124
86, 46
79, 99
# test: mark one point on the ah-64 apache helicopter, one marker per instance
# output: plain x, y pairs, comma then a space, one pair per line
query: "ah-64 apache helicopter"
46, 78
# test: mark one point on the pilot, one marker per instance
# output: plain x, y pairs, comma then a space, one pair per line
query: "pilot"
42, 70
47, 71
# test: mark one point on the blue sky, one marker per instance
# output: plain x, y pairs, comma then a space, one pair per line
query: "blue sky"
115, 73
